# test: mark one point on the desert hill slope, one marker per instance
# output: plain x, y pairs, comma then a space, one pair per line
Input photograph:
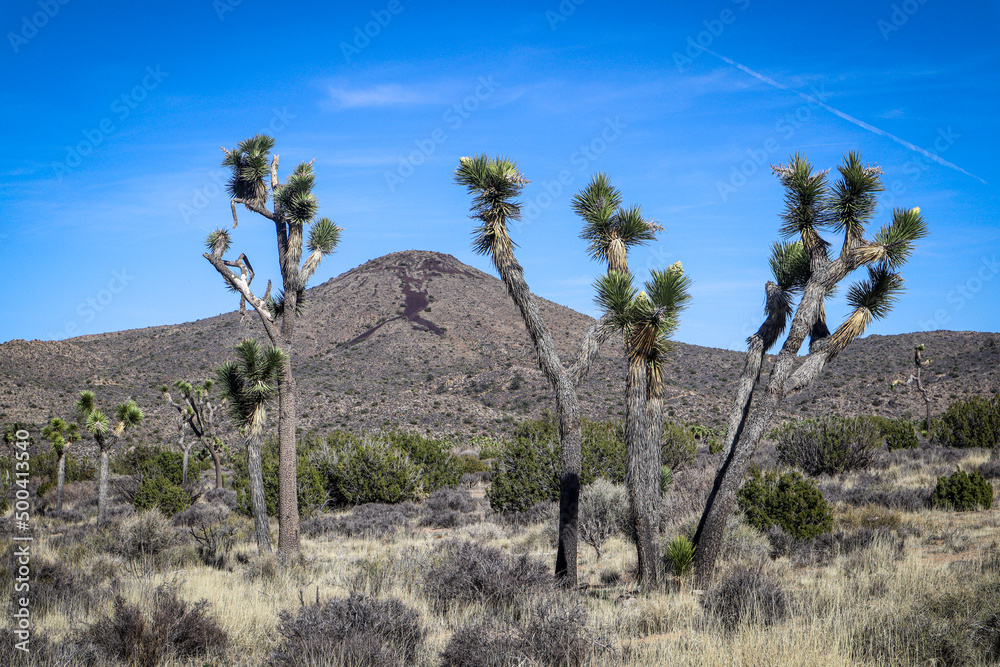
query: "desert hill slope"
419, 340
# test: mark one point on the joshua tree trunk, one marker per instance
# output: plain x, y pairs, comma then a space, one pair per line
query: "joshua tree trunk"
257, 499
102, 485
61, 479
184, 466
567, 408
642, 473
288, 509
218, 465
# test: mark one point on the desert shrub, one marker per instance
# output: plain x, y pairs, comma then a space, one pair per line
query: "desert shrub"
545, 512
679, 556
216, 539
153, 461
826, 547
224, 497
554, 635
602, 451
971, 422
679, 446
54, 585
46, 464
948, 627
963, 492
746, 595
990, 469
742, 542
148, 534
353, 631
310, 482
525, 472
603, 512
160, 493
829, 445
436, 465
448, 508
785, 499
41, 649
369, 521
468, 464
896, 433
370, 470
463, 572
172, 629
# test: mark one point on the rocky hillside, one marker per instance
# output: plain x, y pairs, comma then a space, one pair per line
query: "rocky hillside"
419, 340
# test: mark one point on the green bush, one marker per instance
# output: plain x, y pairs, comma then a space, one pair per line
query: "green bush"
788, 500
310, 481
159, 492
679, 446
438, 468
46, 464
973, 422
829, 445
603, 452
142, 460
963, 492
370, 470
896, 433
525, 473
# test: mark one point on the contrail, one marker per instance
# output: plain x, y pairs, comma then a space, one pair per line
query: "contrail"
847, 117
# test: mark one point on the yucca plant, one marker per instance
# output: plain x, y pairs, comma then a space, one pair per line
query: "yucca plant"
61, 434
680, 556
106, 435
253, 180
248, 384
806, 268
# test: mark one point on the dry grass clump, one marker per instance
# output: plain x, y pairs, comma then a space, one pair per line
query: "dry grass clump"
171, 629
355, 631
746, 595
465, 572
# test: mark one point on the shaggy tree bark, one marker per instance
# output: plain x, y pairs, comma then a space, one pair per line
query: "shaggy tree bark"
642, 473
60, 479
258, 501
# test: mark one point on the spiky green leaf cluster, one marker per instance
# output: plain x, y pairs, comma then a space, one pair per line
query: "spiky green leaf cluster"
897, 239
250, 381
249, 165
854, 197
218, 242
494, 183
295, 196
790, 266
878, 293
60, 434
324, 236
129, 415
609, 228
804, 198
647, 318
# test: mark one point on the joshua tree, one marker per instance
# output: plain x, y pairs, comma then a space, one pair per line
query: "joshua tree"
919, 362
646, 319
249, 384
197, 412
61, 434
254, 178
495, 183
807, 268
99, 424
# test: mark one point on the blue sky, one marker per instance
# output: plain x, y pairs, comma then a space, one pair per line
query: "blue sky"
114, 114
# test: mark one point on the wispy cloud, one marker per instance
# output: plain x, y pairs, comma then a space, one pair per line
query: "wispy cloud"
387, 95
848, 118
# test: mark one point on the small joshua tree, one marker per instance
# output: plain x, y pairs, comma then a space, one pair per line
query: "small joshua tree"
98, 423
917, 378
807, 267
248, 384
61, 434
196, 411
